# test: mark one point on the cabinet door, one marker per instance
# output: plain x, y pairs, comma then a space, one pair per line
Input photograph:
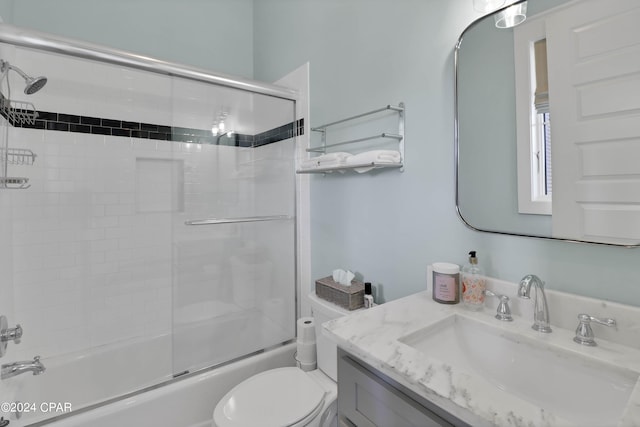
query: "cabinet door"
368, 401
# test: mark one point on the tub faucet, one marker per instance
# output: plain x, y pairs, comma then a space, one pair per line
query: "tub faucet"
540, 309
16, 368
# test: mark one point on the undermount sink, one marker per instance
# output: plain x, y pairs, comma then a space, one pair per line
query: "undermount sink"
579, 390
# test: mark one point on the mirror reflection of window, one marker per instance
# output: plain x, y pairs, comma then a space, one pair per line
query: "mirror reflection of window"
534, 132
541, 136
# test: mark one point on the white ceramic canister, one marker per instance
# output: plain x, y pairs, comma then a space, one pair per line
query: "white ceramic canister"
446, 283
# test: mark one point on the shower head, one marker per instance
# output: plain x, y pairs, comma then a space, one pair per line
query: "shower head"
32, 84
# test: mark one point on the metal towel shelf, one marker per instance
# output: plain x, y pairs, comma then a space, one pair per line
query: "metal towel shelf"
323, 149
341, 168
399, 109
399, 136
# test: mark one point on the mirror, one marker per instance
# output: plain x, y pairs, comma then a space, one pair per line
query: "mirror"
566, 167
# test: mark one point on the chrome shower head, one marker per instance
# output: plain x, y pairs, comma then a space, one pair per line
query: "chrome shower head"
33, 84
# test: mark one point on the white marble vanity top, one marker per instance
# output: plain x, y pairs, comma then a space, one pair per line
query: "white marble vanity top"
373, 336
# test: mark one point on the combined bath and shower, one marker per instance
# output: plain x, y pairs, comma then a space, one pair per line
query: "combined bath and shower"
32, 84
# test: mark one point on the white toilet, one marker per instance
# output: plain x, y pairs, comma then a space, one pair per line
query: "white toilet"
289, 397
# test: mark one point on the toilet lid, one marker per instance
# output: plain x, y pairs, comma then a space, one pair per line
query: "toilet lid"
278, 397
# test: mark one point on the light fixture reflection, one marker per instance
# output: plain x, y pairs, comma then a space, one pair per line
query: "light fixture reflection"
485, 6
511, 16
219, 123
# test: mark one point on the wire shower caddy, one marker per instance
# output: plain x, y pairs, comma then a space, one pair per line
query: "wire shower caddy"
15, 113
18, 112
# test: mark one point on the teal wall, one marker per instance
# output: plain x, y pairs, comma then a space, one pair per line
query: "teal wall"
386, 226
212, 34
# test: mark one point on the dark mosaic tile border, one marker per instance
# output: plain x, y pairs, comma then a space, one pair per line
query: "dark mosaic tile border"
47, 120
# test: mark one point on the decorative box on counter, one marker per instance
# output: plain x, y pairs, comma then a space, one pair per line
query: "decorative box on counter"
349, 297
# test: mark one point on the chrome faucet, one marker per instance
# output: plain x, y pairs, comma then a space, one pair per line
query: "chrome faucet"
540, 309
16, 368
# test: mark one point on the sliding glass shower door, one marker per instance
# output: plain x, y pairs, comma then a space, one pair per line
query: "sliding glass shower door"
234, 226
156, 234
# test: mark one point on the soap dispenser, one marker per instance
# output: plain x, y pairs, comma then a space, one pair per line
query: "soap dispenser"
474, 284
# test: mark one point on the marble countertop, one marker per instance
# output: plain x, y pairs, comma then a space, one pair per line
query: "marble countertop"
372, 335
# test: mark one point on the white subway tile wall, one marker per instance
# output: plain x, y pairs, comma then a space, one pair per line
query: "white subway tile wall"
96, 251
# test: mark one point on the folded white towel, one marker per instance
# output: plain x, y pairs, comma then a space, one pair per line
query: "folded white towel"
338, 158
377, 156
374, 156
308, 164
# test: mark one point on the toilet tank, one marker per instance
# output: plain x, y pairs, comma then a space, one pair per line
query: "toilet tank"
327, 351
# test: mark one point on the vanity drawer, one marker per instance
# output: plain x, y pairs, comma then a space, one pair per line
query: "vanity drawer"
366, 400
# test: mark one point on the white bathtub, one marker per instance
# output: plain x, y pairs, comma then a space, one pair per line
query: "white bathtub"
187, 402
87, 379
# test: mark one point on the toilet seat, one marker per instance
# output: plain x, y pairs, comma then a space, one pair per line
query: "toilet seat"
275, 398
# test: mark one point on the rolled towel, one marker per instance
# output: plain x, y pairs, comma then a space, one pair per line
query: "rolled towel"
338, 158
374, 156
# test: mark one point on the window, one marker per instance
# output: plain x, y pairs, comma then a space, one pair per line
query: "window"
533, 121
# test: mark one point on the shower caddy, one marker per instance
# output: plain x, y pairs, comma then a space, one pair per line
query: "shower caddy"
398, 109
16, 113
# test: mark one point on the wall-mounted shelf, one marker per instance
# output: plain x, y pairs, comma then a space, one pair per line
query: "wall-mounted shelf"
20, 156
18, 112
372, 165
15, 112
14, 183
15, 156
359, 166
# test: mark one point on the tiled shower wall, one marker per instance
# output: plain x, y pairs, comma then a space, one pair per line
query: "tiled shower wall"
91, 246
86, 265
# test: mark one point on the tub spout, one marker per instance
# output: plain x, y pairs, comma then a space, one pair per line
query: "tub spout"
16, 368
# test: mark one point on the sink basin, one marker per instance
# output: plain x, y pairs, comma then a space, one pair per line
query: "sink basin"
579, 390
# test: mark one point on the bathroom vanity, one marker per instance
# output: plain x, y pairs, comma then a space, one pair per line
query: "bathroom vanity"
413, 362
367, 398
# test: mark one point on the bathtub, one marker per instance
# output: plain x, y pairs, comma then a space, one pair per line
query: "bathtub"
117, 372
184, 402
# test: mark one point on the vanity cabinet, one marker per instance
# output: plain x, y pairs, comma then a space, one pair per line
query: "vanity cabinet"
367, 398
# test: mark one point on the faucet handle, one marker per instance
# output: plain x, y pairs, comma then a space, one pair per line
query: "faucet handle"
11, 334
503, 311
584, 333
8, 334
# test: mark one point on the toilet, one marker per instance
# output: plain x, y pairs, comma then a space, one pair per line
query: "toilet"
289, 397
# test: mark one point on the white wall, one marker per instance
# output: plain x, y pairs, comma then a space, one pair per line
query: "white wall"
389, 226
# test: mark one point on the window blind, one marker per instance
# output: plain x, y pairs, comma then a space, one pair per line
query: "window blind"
541, 95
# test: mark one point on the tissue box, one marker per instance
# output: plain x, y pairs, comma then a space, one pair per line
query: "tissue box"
349, 297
